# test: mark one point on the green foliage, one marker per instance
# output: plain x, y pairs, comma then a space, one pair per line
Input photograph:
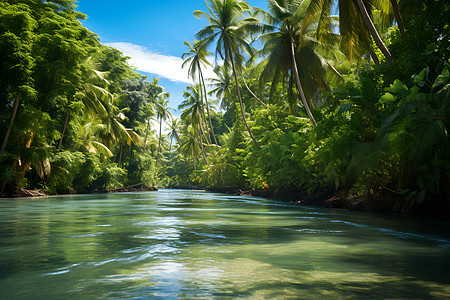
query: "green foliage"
59, 90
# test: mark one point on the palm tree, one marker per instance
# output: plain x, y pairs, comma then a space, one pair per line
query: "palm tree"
355, 23
189, 145
162, 113
93, 79
197, 57
229, 29
290, 58
99, 103
192, 112
86, 137
173, 133
221, 86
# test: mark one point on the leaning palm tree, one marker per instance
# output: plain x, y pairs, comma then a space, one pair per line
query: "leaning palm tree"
288, 58
355, 24
162, 113
228, 30
196, 57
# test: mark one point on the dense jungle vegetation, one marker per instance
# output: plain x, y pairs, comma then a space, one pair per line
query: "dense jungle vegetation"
304, 101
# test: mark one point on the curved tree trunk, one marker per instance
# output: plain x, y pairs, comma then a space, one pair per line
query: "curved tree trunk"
299, 85
373, 31
207, 104
8, 132
251, 92
398, 18
240, 100
64, 129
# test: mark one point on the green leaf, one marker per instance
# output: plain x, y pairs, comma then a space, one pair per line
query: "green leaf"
386, 98
443, 78
398, 88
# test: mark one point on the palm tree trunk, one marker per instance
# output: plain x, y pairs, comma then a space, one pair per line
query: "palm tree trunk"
200, 136
299, 85
207, 105
146, 135
398, 18
64, 129
240, 100
374, 56
251, 92
202, 130
373, 31
120, 156
159, 143
202, 112
8, 132
203, 150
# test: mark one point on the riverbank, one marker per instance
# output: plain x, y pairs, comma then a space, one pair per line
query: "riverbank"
23, 193
381, 202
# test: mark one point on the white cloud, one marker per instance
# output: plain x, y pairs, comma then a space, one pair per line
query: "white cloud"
162, 65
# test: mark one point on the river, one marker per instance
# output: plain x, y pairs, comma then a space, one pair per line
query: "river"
181, 244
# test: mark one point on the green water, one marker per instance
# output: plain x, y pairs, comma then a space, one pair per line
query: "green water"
175, 244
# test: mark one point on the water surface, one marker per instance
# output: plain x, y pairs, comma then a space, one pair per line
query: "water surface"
175, 244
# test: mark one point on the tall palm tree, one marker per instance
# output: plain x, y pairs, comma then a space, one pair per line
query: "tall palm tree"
355, 23
162, 113
290, 58
191, 114
196, 57
229, 29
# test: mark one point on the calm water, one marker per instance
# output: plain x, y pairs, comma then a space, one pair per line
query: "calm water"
175, 244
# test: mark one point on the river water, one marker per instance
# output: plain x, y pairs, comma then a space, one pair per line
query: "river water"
179, 244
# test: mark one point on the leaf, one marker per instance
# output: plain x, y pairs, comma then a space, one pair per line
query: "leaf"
443, 78
386, 98
398, 88
421, 77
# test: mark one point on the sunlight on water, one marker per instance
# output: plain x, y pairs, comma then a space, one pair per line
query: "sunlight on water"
175, 244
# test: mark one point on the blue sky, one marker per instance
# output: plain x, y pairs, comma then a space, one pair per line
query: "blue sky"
152, 32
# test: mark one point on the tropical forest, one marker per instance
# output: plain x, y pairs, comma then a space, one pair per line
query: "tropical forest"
306, 154
304, 101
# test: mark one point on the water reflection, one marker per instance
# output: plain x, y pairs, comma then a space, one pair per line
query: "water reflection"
193, 244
